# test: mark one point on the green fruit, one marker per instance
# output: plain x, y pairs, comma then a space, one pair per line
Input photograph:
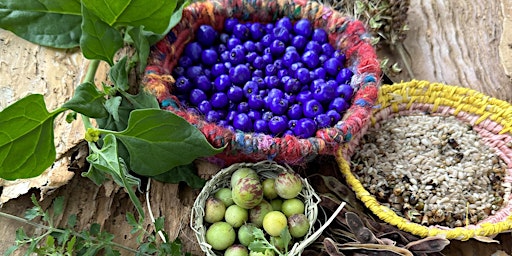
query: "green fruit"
268, 252
242, 173
220, 235
277, 204
278, 242
298, 225
269, 191
247, 193
246, 233
292, 206
236, 250
274, 223
236, 216
214, 210
257, 213
288, 185
224, 194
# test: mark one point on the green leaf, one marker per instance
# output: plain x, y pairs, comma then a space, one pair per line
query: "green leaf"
154, 15
119, 75
70, 247
99, 40
142, 100
112, 107
141, 45
88, 101
159, 140
159, 224
107, 161
33, 213
26, 138
175, 19
95, 175
95, 229
186, 173
53, 23
71, 221
58, 205
11, 250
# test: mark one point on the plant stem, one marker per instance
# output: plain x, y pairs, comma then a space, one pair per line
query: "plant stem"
91, 71
51, 229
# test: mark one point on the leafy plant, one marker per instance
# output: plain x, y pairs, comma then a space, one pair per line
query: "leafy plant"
133, 135
261, 244
66, 241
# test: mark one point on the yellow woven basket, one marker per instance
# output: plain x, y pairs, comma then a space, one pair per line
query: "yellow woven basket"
484, 113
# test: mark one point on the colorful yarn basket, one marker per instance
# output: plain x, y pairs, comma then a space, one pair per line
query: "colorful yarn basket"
345, 34
264, 169
491, 118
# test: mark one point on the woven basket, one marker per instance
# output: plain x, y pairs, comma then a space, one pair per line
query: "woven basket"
490, 117
346, 34
265, 169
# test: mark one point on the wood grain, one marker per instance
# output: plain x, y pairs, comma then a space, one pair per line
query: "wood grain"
457, 43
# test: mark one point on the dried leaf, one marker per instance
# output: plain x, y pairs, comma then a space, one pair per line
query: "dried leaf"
332, 248
343, 192
428, 244
486, 239
381, 249
363, 234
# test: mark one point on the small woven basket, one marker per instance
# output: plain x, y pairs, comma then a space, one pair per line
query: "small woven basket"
489, 117
346, 34
265, 169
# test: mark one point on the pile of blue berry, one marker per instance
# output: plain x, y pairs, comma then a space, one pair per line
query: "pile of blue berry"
279, 79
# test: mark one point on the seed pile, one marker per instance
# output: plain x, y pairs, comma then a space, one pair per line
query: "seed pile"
431, 170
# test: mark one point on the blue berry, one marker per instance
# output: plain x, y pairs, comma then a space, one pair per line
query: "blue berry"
328, 50
322, 121
249, 46
303, 75
267, 115
291, 85
319, 35
310, 59
267, 40
183, 85
241, 32
304, 128
254, 114
271, 82
285, 22
345, 91
319, 73
299, 42
312, 108
281, 33
332, 66
290, 57
256, 31
261, 126
209, 57
185, 61
277, 48
278, 105
229, 24
223, 38
303, 97
206, 35
303, 27
344, 76
212, 116
193, 72
250, 88
232, 43
235, 94
204, 106
334, 115
277, 125
314, 46
242, 122
193, 51
255, 101
236, 56
239, 74
339, 104
243, 107
178, 71
219, 69
202, 82
324, 93
219, 100
196, 96
295, 111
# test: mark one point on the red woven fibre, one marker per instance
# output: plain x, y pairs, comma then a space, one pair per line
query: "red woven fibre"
345, 34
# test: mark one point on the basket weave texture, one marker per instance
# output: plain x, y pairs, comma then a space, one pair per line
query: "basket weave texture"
345, 33
491, 118
264, 169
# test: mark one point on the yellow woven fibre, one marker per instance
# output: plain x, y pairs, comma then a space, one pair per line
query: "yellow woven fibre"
458, 98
